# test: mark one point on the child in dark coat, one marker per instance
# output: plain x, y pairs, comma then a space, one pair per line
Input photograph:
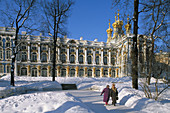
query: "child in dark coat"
106, 96
114, 94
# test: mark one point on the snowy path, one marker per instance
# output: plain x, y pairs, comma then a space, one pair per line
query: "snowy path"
94, 101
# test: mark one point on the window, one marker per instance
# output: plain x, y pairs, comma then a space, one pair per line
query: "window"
63, 58
112, 60
63, 50
72, 59
43, 57
34, 47
23, 47
89, 73
7, 44
8, 54
72, 72
81, 59
1, 53
34, 57
71, 50
88, 51
105, 60
63, 72
113, 73
44, 72
1, 69
97, 73
8, 69
7, 38
97, 52
89, 60
34, 72
97, 59
80, 51
81, 73
44, 48
24, 56
105, 73
105, 53
24, 71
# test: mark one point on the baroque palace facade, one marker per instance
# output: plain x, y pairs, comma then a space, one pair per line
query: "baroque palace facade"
75, 58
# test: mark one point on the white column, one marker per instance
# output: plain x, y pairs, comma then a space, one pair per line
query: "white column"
68, 55
94, 56
85, 55
77, 56
49, 54
109, 57
39, 53
102, 56
29, 52
15, 69
58, 54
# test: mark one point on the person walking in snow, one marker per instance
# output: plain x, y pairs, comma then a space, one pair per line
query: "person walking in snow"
114, 94
106, 96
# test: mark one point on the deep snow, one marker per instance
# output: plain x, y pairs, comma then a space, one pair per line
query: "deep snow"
39, 94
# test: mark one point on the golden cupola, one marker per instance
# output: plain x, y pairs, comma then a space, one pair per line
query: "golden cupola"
109, 33
128, 26
117, 26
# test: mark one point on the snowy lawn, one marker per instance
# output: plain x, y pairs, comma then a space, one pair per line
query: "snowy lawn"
46, 96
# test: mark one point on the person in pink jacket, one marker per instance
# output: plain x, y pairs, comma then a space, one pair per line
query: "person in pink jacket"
106, 96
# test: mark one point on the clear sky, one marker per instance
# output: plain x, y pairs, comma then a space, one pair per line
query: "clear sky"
89, 19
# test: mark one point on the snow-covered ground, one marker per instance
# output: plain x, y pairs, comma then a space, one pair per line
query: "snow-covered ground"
40, 94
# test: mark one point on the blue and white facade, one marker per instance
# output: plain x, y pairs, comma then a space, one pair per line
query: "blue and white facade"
74, 58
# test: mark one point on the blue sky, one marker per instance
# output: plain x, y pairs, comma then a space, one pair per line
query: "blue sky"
89, 19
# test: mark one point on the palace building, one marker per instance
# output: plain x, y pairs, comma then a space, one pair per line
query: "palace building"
74, 58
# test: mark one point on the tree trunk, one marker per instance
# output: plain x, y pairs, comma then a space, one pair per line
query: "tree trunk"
150, 62
14, 50
54, 49
135, 51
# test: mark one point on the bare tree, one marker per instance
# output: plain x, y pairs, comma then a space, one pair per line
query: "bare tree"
155, 17
16, 13
135, 32
56, 13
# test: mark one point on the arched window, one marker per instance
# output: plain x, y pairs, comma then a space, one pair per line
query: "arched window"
113, 60
97, 73
63, 72
24, 56
89, 60
34, 57
72, 59
81, 73
1, 69
23, 71
97, 59
44, 72
105, 60
34, 72
89, 73
113, 73
1, 53
8, 54
63, 58
8, 44
43, 57
81, 59
72, 72
105, 73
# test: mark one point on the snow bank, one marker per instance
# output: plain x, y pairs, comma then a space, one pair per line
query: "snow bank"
25, 85
49, 102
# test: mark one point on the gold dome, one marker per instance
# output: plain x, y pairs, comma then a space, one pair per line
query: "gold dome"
109, 30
